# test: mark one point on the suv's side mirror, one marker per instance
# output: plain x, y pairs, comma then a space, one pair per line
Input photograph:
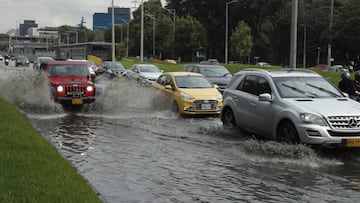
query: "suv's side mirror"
265, 97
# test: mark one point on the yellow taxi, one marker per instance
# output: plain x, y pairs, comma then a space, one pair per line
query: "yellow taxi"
190, 93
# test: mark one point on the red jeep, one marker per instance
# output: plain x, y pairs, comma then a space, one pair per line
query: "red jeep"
70, 82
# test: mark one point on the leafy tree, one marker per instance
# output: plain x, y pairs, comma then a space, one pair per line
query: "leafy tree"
241, 41
4, 37
346, 32
190, 36
108, 34
163, 31
94, 36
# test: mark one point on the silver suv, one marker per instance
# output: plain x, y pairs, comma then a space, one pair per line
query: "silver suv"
294, 106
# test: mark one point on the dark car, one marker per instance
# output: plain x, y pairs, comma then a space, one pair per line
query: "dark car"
21, 60
112, 69
217, 74
40, 63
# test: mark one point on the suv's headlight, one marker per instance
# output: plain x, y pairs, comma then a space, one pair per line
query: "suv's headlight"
313, 119
60, 88
89, 88
186, 96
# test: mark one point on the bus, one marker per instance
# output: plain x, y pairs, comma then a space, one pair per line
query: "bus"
101, 50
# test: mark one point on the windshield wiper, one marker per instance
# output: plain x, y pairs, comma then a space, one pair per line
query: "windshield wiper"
310, 94
323, 90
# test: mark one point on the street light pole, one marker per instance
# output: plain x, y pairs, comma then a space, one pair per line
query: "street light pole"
227, 28
330, 27
304, 56
318, 55
142, 33
293, 37
172, 11
113, 31
153, 18
128, 32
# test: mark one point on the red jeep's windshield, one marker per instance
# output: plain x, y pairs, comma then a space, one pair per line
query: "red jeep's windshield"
68, 70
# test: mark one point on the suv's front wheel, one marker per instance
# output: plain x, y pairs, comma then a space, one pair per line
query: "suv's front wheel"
228, 119
287, 133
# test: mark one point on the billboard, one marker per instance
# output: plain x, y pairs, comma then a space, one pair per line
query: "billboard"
103, 21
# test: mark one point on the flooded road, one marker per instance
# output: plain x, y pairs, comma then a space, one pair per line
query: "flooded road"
131, 148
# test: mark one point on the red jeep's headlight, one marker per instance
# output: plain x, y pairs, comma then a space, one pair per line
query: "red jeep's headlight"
89, 88
60, 88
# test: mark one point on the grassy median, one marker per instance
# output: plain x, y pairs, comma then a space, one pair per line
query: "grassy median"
31, 168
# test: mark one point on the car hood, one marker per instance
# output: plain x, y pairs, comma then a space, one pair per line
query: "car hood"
150, 75
201, 93
327, 106
219, 80
70, 79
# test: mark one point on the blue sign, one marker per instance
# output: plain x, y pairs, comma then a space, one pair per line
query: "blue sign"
103, 21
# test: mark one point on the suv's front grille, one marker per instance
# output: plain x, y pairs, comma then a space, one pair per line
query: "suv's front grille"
75, 90
201, 103
344, 122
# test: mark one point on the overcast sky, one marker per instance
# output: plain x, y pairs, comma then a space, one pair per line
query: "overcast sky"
55, 13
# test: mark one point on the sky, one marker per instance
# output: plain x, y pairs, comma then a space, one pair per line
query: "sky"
54, 13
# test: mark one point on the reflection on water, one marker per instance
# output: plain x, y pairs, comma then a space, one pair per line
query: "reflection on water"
74, 135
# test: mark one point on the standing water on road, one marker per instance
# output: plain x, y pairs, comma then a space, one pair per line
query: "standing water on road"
131, 148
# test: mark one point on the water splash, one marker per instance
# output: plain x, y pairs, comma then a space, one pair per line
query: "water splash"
120, 97
29, 91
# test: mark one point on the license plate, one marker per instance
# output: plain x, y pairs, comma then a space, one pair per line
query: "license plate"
77, 101
205, 106
353, 143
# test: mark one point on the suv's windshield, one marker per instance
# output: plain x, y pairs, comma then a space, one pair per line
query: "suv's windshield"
305, 87
68, 70
215, 71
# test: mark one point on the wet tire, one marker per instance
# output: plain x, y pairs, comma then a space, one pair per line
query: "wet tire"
228, 119
287, 133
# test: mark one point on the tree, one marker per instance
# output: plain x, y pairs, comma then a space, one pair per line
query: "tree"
190, 36
241, 41
94, 36
346, 32
163, 27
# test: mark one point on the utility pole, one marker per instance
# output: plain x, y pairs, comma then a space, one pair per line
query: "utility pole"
113, 31
142, 33
227, 28
330, 29
304, 56
293, 37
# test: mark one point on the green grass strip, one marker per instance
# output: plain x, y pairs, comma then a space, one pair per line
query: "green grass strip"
31, 168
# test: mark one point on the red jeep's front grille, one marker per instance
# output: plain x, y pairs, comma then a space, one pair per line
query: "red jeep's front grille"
75, 90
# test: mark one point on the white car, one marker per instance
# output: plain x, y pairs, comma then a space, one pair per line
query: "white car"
144, 74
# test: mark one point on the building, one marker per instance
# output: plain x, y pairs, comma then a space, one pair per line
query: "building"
26, 25
103, 21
